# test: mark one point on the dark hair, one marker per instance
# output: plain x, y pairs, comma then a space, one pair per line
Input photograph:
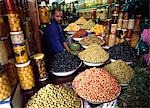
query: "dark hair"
54, 10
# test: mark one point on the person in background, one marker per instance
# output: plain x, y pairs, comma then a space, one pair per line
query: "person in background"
53, 40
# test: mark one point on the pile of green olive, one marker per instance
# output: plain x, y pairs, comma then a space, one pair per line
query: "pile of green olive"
54, 96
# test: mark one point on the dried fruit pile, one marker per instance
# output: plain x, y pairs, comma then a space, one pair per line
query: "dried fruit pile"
94, 54
54, 96
96, 85
122, 71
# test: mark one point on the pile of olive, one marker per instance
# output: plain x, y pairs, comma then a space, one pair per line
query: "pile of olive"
64, 62
54, 96
122, 51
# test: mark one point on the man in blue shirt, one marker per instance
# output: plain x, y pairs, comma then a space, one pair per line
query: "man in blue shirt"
53, 39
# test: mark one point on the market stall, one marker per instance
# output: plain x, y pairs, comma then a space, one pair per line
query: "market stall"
107, 67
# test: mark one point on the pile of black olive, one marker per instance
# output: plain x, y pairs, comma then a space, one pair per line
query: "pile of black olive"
123, 51
64, 62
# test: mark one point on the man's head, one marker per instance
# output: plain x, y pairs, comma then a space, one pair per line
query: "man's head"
58, 15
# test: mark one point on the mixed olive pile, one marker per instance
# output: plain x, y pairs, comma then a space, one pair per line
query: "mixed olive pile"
122, 51
54, 96
122, 71
64, 62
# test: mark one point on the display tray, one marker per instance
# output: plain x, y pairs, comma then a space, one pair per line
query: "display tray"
70, 32
92, 64
77, 39
106, 47
111, 101
84, 46
113, 60
65, 73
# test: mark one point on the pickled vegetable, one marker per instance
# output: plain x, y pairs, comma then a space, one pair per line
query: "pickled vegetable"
20, 53
81, 21
122, 51
5, 90
94, 54
96, 85
41, 66
25, 75
72, 27
88, 25
54, 96
92, 39
122, 71
65, 62
14, 22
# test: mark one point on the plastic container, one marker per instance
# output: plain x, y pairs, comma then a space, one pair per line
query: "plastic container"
119, 24
17, 37
113, 28
131, 23
44, 13
125, 24
20, 53
5, 89
3, 53
11, 72
14, 22
25, 75
39, 61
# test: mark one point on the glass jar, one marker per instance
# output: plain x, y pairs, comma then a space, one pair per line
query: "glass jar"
137, 23
5, 90
11, 72
117, 8
135, 39
113, 28
20, 53
114, 18
126, 16
131, 23
14, 22
120, 14
129, 33
17, 37
124, 32
3, 53
41, 66
119, 24
125, 24
112, 40
44, 13
25, 75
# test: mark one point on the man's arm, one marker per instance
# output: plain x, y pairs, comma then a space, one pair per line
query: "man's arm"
66, 47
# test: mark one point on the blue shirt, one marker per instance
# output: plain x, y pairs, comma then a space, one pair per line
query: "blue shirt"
53, 38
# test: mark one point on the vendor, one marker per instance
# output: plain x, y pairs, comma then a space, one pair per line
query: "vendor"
53, 38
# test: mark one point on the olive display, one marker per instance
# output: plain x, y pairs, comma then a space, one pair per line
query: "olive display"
64, 62
123, 51
54, 96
